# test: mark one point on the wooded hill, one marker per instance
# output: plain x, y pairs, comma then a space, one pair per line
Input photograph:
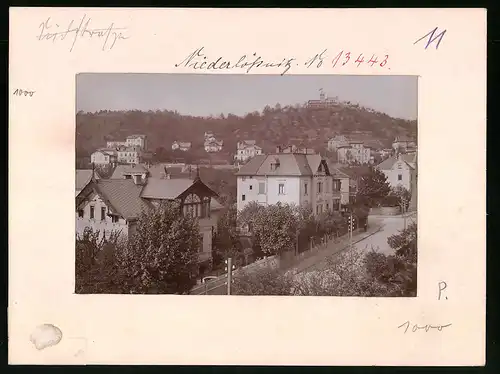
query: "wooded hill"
270, 127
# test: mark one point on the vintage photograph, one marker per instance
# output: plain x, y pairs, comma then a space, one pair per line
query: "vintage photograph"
295, 185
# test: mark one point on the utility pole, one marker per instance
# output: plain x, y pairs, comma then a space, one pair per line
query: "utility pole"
404, 213
229, 269
350, 230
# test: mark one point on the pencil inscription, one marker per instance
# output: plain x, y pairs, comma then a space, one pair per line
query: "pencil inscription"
52, 31
415, 327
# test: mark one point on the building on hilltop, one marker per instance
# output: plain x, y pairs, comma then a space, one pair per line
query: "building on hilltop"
137, 141
323, 102
247, 149
293, 178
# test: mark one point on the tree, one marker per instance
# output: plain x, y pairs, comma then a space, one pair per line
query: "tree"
163, 254
97, 267
373, 187
398, 271
276, 228
344, 275
403, 196
265, 281
226, 241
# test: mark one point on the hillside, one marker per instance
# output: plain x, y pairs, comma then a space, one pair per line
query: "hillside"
272, 126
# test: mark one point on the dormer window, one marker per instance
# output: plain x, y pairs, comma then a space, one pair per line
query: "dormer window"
276, 164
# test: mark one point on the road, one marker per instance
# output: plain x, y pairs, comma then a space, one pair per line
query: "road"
385, 227
390, 226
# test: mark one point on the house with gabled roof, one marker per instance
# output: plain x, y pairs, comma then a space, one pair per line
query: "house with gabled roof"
400, 170
293, 178
247, 149
111, 205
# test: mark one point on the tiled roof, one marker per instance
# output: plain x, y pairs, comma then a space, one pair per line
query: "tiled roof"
120, 170
124, 196
389, 163
168, 189
83, 177
337, 173
290, 164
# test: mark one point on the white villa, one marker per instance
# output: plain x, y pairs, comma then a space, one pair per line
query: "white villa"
294, 178
247, 149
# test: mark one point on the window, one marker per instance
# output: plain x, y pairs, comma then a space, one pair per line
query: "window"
103, 213
114, 219
281, 189
243, 197
250, 187
320, 186
193, 206
80, 213
91, 212
262, 188
327, 206
201, 243
317, 209
305, 189
400, 177
128, 177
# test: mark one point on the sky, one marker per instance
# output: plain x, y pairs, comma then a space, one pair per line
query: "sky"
211, 94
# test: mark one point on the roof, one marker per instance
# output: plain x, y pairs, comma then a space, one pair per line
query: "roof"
403, 139
121, 170
409, 158
168, 189
123, 196
389, 163
337, 173
215, 205
136, 136
83, 177
291, 164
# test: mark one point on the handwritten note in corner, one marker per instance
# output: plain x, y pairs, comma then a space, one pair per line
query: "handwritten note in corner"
70, 31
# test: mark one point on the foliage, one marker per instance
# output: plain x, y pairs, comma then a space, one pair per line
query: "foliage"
266, 281
163, 254
398, 271
96, 262
268, 127
373, 187
402, 195
226, 241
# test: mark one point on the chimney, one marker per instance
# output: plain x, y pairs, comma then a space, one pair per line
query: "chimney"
137, 179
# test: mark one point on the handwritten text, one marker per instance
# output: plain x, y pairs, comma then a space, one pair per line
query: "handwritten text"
432, 38
51, 31
199, 60
20, 92
426, 328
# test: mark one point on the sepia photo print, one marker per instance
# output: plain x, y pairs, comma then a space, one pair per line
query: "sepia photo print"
297, 185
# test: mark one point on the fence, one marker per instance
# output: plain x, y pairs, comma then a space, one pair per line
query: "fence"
284, 261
